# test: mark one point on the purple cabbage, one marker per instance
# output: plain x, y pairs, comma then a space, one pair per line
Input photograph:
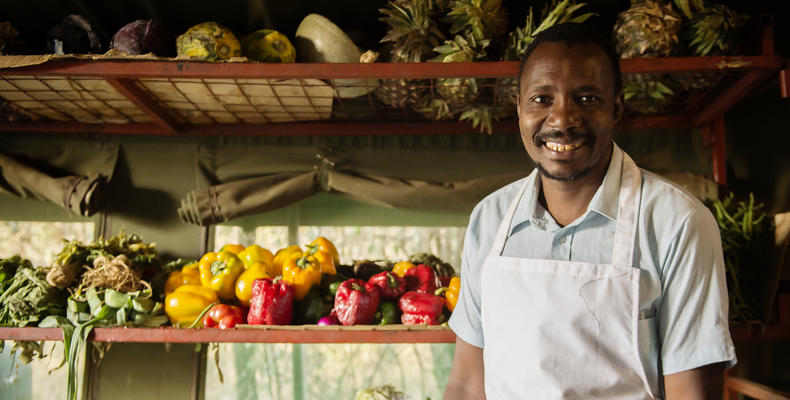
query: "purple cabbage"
143, 36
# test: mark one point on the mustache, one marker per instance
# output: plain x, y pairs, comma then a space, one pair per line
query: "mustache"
571, 134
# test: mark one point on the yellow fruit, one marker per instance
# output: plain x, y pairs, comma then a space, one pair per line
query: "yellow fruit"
268, 45
254, 253
208, 41
233, 248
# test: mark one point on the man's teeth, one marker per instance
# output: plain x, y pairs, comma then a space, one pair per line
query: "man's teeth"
563, 147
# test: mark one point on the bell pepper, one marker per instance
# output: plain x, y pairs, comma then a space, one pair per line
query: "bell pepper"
302, 273
387, 314
281, 257
271, 302
188, 275
451, 294
421, 308
233, 248
219, 272
257, 270
420, 278
327, 247
356, 302
185, 304
401, 268
254, 253
390, 285
223, 316
326, 260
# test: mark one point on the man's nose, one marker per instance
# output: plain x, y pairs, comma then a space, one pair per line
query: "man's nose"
563, 115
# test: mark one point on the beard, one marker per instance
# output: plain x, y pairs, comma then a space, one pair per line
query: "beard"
564, 178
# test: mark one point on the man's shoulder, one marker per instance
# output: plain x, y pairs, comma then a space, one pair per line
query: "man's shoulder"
669, 202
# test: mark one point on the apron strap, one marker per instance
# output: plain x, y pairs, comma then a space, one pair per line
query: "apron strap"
627, 213
507, 219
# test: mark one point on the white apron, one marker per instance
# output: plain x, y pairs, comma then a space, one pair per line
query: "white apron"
565, 329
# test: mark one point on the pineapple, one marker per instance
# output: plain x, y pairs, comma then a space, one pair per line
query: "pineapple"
485, 19
412, 36
711, 30
459, 93
650, 28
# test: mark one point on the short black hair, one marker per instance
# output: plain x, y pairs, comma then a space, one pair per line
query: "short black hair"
571, 34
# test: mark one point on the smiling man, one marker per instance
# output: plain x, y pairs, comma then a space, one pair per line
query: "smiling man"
590, 278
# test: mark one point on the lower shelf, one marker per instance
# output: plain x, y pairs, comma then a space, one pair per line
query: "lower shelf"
250, 334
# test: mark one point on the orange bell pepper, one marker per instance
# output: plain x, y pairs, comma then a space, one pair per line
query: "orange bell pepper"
325, 259
302, 273
281, 257
451, 294
328, 247
401, 268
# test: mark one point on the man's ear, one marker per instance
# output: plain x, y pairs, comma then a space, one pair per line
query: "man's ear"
619, 106
518, 104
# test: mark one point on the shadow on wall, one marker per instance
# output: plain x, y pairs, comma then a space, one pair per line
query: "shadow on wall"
757, 143
148, 206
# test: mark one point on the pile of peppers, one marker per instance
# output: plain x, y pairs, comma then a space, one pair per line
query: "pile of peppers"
302, 286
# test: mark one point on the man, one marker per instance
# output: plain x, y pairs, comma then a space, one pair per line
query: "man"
591, 278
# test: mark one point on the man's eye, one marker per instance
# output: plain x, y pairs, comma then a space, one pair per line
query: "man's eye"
540, 99
589, 99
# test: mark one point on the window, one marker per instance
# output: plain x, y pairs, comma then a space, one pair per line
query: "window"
38, 242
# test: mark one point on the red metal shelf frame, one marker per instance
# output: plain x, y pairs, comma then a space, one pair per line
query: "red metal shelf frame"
176, 335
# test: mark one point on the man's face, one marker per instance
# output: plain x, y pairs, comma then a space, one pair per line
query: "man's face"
567, 109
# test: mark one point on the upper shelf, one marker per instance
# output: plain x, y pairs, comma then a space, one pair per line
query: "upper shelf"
245, 98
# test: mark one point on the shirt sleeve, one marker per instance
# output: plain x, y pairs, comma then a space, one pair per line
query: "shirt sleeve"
693, 324
465, 319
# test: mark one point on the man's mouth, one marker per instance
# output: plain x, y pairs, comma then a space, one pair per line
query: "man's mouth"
561, 148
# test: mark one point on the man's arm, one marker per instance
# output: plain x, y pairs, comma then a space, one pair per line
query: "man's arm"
466, 375
703, 383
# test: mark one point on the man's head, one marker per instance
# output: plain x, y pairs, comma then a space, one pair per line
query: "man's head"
569, 100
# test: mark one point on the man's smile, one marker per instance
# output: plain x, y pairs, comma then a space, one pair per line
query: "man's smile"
562, 148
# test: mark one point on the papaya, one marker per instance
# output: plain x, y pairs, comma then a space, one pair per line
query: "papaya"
208, 41
268, 45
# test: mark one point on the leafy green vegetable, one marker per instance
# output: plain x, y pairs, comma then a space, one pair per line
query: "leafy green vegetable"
28, 298
747, 238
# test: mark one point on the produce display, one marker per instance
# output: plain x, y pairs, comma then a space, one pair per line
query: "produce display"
208, 41
123, 281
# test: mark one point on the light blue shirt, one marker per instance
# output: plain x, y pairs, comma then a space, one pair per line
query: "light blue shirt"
682, 289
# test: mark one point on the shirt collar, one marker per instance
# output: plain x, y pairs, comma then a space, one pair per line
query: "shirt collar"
604, 202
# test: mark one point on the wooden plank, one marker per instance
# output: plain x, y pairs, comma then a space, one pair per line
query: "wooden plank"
723, 101
735, 385
140, 98
361, 334
136, 128
425, 70
718, 135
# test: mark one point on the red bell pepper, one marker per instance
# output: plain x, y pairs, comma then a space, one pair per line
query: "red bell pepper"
356, 302
223, 316
271, 302
420, 308
390, 285
421, 279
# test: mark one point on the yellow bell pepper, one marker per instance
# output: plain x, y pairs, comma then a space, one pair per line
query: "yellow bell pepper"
254, 253
281, 257
325, 259
401, 268
189, 275
233, 248
185, 304
302, 273
219, 271
258, 270
328, 247
451, 294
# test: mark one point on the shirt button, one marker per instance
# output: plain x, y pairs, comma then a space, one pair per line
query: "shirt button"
561, 239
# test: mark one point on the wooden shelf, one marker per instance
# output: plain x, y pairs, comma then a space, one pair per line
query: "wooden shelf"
244, 334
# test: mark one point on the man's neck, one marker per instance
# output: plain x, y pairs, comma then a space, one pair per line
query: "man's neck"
567, 201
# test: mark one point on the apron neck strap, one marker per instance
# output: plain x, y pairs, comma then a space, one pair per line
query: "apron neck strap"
627, 213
